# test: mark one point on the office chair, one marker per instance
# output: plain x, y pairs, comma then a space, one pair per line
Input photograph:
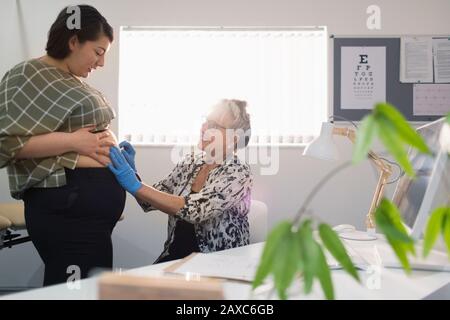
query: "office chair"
12, 218
257, 218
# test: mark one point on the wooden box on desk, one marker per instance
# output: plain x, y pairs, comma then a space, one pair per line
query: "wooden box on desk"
113, 286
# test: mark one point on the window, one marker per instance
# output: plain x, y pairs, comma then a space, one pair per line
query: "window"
170, 77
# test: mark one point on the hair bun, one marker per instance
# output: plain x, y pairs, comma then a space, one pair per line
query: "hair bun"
242, 104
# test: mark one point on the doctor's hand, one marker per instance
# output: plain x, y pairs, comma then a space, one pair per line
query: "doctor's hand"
125, 175
129, 153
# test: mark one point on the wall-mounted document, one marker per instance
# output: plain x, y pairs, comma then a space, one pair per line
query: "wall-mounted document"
416, 59
363, 77
431, 99
441, 52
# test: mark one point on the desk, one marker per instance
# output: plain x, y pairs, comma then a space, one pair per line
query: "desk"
387, 284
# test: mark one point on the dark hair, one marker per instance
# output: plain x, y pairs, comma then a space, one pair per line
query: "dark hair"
92, 26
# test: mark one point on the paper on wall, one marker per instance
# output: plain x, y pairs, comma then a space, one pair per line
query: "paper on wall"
416, 59
441, 53
431, 99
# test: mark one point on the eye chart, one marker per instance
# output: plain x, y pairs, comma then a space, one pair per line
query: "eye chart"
363, 77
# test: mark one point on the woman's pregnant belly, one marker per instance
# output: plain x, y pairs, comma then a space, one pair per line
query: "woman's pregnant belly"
88, 162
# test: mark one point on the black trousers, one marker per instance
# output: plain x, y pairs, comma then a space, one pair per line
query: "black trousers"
184, 242
71, 226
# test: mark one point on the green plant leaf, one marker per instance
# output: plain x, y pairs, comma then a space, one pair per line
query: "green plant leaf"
334, 245
309, 253
402, 128
446, 231
314, 262
394, 145
385, 223
400, 252
389, 221
323, 273
285, 264
448, 118
397, 245
388, 210
432, 231
364, 137
273, 242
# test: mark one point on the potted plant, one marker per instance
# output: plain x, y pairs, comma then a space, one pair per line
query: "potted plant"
293, 250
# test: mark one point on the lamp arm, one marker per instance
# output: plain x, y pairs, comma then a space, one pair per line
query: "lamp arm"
351, 135
385, 171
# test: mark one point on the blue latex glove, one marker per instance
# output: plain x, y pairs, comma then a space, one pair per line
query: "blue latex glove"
129, 153
125, 175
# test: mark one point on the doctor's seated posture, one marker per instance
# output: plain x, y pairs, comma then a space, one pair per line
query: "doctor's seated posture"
207, 197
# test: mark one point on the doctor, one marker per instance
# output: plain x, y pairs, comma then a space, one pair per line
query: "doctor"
207, 197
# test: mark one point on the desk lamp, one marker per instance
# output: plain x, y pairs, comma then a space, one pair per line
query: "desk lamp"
323, 147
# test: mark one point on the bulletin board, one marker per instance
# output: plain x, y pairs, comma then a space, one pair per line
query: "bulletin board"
398, 94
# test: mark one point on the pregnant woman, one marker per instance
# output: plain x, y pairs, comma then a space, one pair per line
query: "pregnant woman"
54, 141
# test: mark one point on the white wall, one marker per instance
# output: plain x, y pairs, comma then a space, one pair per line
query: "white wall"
139, 238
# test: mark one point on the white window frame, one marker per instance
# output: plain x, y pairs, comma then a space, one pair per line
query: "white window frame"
257, 139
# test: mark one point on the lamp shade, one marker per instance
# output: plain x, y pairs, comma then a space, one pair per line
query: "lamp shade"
323, 146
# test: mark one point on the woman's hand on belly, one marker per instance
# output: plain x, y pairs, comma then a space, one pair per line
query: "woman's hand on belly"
93, 147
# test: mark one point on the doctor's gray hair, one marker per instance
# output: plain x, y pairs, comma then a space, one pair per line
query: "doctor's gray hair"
241, 123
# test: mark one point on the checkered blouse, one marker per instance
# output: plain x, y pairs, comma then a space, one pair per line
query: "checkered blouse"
36, 98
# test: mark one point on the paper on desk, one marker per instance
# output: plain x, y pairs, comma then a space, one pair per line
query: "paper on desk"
416, 59
219, 266
441, 49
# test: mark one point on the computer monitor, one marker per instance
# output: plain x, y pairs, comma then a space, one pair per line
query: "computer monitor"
416, 198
